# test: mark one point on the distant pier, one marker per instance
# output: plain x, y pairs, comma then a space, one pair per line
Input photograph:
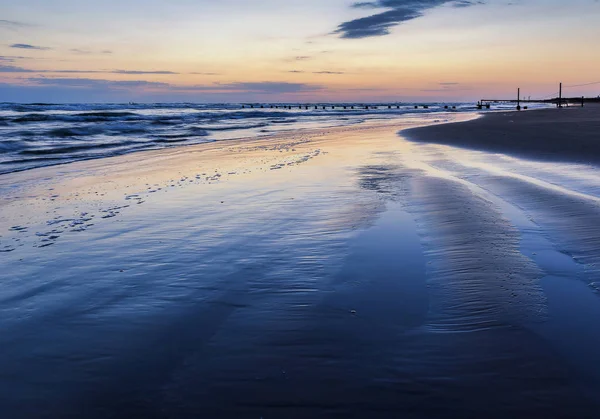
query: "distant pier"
344, 106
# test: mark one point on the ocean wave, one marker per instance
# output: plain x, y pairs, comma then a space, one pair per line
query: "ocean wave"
258, 114
190, 133
283, 121
64, 150
10, 145
233, 127
113, 114
79, 117
167, 122
34, 117
71, 132
172, 140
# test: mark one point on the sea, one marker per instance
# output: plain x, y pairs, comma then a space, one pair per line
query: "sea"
37, 135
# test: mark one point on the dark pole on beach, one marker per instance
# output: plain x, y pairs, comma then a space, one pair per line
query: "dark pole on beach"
582, 100
519, 99
560, 96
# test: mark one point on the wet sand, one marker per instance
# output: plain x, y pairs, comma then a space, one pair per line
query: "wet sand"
567, 135
342, 272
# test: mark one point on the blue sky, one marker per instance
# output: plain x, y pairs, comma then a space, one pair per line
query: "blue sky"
295, 50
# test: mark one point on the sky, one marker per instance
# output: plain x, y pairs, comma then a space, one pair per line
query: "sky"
296, 50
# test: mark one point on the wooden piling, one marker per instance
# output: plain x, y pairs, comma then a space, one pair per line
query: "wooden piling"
560, 96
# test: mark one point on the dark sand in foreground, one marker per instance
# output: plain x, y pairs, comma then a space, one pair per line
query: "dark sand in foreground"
568, 134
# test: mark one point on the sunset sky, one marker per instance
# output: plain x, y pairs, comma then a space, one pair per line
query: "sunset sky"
296, 50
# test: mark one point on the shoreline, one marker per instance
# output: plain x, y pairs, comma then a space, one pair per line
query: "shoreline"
182, 154
560, 135
60, 134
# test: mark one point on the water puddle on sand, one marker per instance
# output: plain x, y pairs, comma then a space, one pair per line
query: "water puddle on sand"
383, 280
573, 309
570, 319
549, 214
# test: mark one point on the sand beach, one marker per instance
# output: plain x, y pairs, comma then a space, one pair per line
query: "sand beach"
376, 270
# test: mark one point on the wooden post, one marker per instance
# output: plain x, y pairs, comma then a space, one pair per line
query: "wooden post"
519, 99
560, 96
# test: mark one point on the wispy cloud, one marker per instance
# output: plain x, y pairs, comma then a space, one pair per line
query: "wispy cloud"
328, 72
81, 51
264, 88
28, 46
15, 69
261, 87
72, 90
139, 72
395, 13
11, 24
316, 72
299, 58
94, 83
448, 87
11, 58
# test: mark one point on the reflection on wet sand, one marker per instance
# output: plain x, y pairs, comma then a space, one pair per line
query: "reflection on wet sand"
327, 273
